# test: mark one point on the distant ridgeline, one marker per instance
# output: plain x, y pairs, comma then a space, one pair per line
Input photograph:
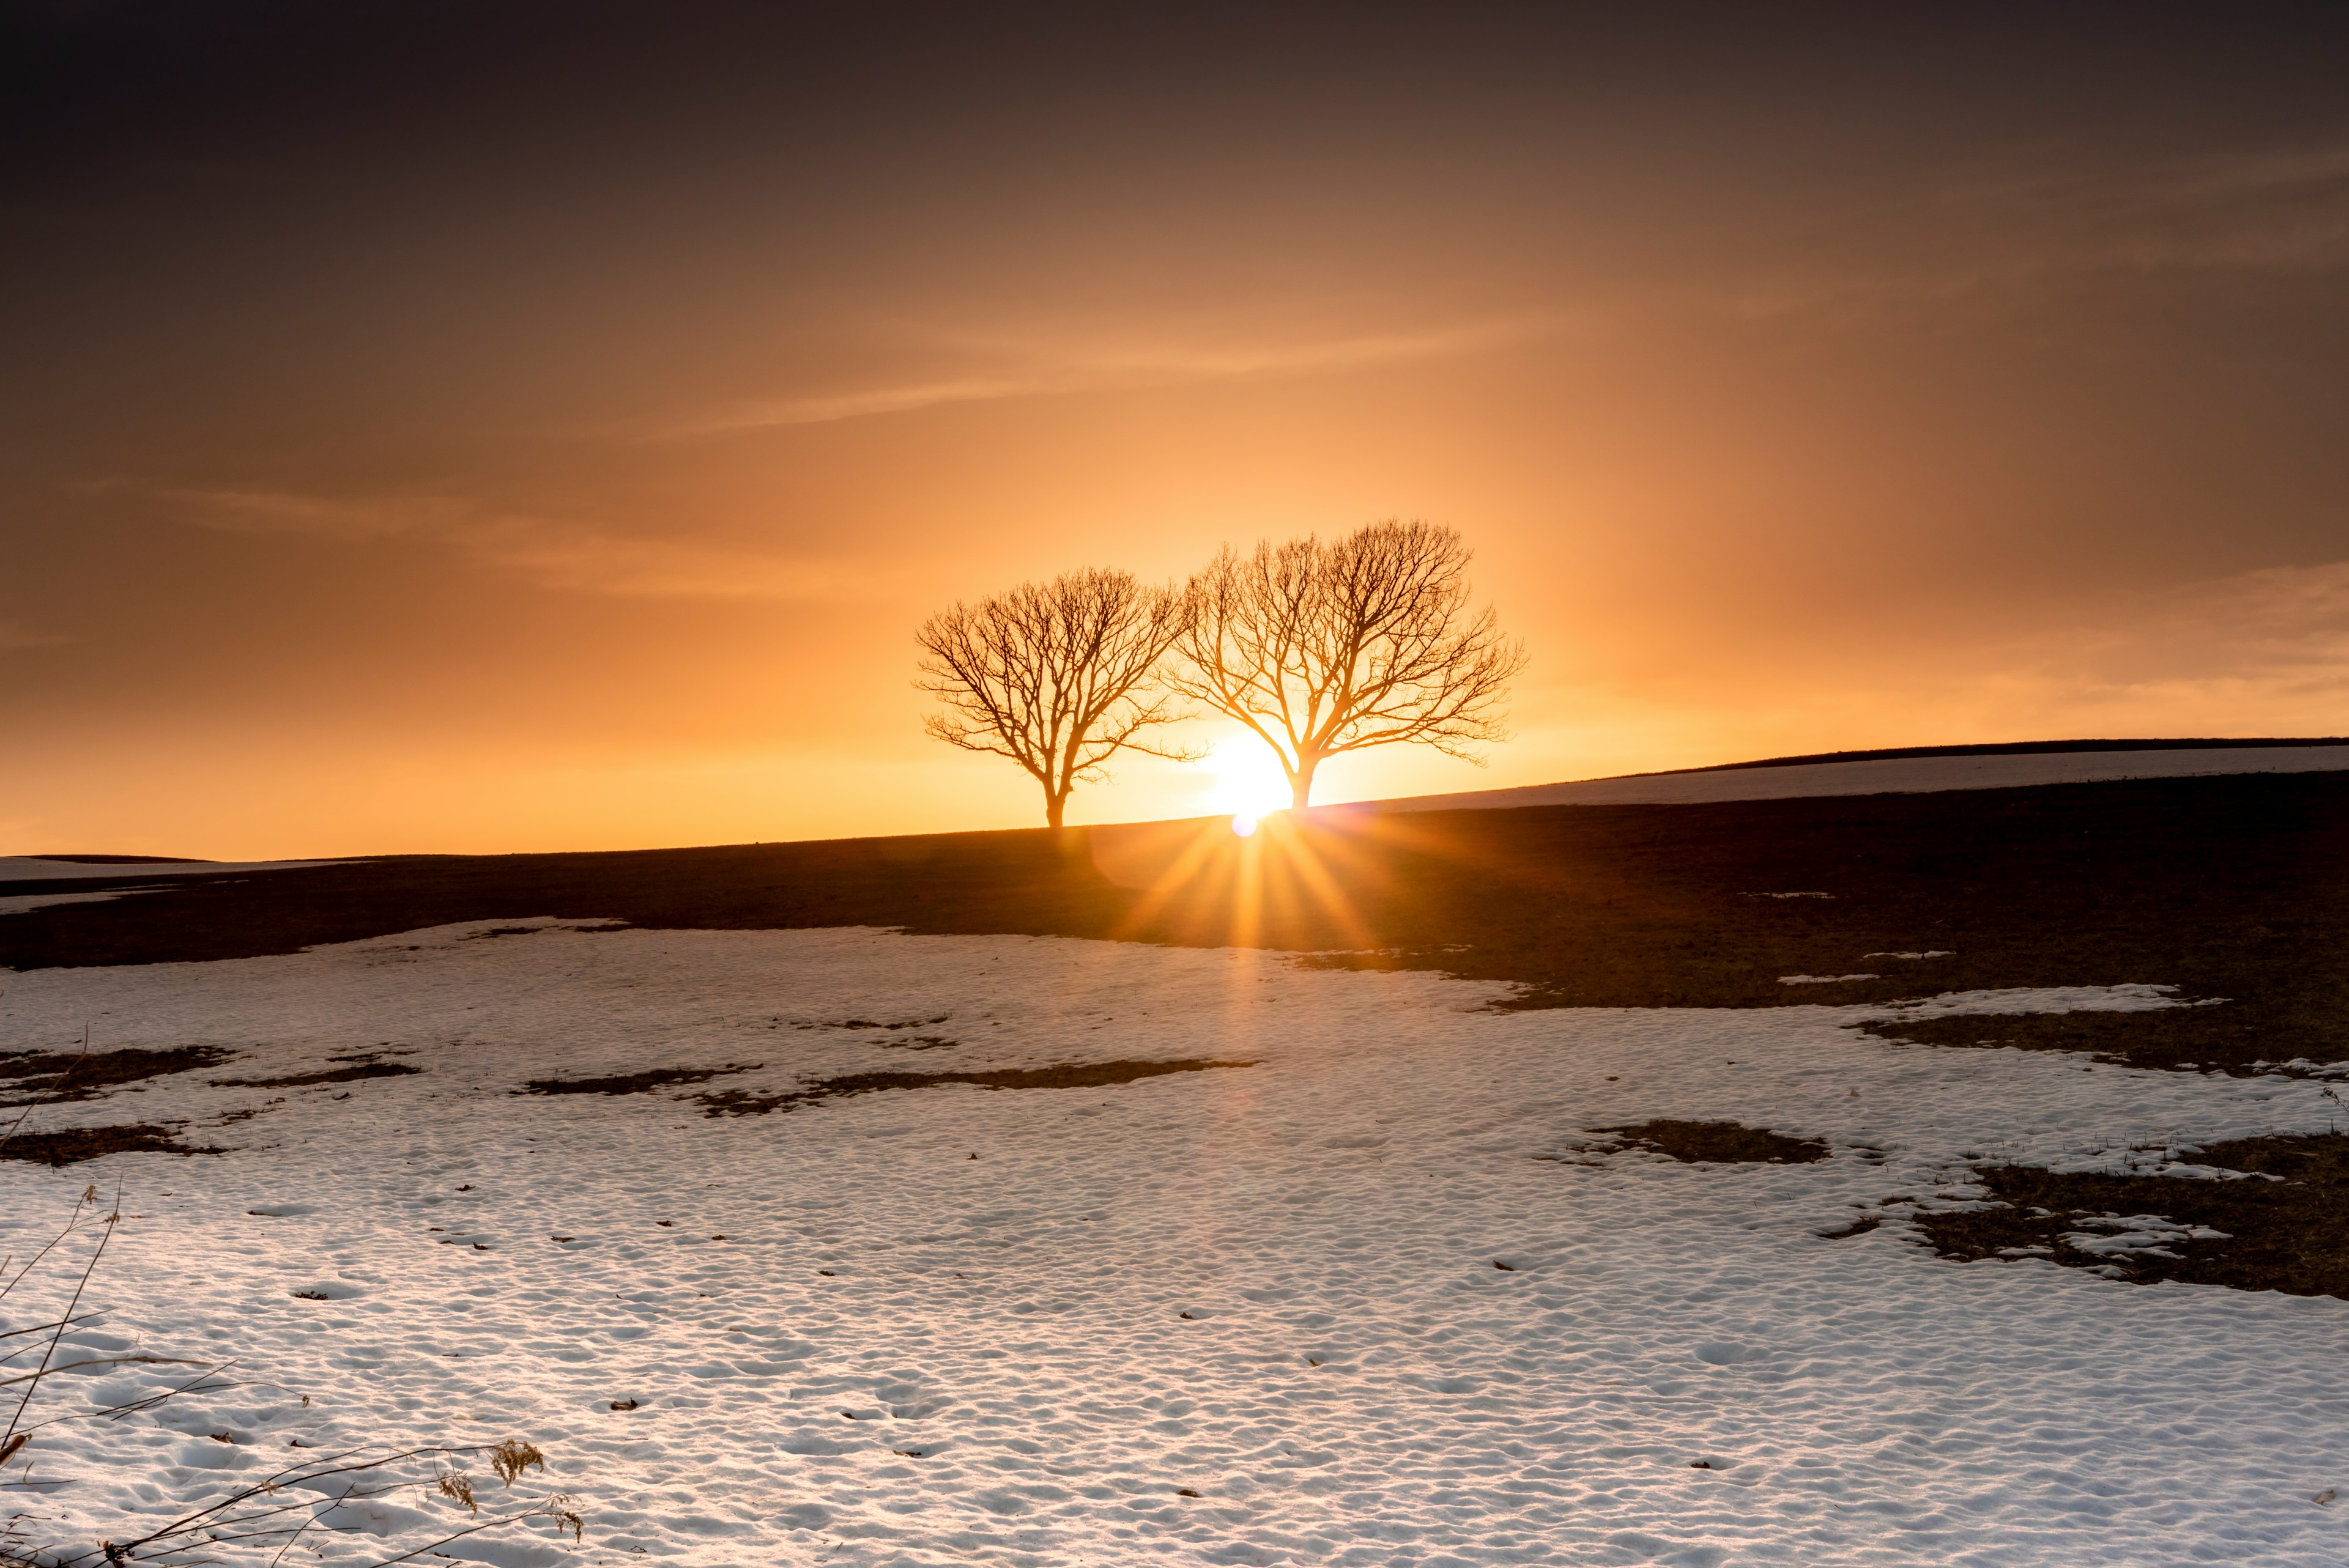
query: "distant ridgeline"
2222, 884
2007, 748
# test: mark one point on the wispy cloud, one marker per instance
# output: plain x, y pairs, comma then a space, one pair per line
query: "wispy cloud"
2278, 211
325, 517
1043, 367
551, 552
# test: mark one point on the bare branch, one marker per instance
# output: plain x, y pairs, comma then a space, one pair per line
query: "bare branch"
1368, 640
1057, 676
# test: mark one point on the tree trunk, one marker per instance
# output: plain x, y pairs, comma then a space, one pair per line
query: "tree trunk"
1055, 806
1300, 783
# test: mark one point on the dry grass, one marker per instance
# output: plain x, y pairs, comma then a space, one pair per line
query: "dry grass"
635, 1083
277, 1508
73, 1144
51, 1076
331, 1074
1720, 1143
2289, 1235
2240, 1038
2223, 886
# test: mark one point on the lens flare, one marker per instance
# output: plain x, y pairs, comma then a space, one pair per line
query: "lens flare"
1249, 785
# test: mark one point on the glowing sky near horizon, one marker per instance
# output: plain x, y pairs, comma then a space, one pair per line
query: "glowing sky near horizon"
438, 427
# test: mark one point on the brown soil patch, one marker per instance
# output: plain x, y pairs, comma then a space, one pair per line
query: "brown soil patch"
76, 1075
2289, 1235
635, 1083
331, 1074
2235, 1037
1720, 1143
77, 1143
1067, 1075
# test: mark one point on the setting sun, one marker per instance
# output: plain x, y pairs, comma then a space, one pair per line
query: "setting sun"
1249, 783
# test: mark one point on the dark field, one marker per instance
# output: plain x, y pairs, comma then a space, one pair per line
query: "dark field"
2224, 887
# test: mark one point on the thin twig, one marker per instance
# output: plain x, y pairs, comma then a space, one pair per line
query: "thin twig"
13, 1333
37, 1257
81, 1284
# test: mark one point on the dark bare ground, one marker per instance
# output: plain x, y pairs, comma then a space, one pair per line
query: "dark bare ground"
2230, 1036
75, 1075
1066, 1074
2291, 1235
78, 1143
2225, 886
331, 1074
635, 1083
1720, 1142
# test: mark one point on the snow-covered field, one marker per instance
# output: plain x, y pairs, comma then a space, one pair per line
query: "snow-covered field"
1893, 775
1377, 1299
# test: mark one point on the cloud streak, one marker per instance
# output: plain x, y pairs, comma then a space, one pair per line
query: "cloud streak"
551, 553
1037, 368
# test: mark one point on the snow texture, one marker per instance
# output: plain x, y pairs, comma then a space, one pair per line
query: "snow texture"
1894, 775
1381, 1298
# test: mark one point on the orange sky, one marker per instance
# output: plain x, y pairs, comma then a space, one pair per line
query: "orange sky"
449, 427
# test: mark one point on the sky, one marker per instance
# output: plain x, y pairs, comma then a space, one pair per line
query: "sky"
499, 427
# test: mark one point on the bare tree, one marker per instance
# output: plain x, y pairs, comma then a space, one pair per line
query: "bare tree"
1059, 676
1368, 640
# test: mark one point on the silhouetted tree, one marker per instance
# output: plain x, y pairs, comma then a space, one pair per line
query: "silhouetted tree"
1368, 640
1059, 676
